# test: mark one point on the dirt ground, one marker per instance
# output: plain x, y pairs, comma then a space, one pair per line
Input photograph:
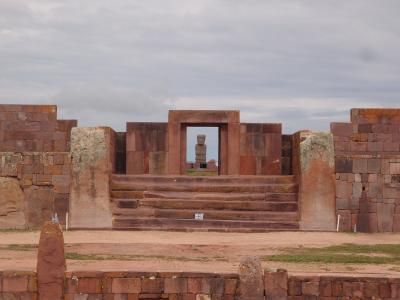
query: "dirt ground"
182, 251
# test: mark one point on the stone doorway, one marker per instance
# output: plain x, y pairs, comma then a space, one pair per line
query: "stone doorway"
228, 123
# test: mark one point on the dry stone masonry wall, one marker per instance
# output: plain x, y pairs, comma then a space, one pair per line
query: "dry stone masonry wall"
367, 165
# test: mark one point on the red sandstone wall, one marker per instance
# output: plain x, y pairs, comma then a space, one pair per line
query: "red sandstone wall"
146, 148
26, 128
367, 163
34, 148
146, 285
260, 149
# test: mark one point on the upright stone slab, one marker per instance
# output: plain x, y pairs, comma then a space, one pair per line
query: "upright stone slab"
11, 204
251, 284
51, 263
92, 151
316, 176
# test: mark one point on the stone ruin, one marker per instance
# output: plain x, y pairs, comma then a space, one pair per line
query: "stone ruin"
136, 179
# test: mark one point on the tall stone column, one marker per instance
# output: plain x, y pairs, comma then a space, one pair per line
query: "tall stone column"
201, 150
92, 151
315, 170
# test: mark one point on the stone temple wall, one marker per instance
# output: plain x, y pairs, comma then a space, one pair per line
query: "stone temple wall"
34, 165
367, 163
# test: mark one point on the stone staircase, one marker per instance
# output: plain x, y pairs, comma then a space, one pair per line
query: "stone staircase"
228, 203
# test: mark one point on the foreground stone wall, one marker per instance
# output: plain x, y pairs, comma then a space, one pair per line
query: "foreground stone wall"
367, 163
99, 285
35, 186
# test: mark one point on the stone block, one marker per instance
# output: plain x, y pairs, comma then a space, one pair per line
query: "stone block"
395, 168
310, 288
126, 285
158, 163
51, 263
360, 165
275, 284
374, 165
175, 285
14, 283
358, 146
251, 283
11, 204
343, 165
385, 213
342, 129
39, 205
375, 146
92, 163
317, 181
152, 285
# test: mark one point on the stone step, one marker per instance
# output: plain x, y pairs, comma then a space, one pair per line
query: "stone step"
214, 180
211, 204
220, 188
124, 223
189, 214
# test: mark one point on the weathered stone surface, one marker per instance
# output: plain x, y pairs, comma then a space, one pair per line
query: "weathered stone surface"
317, 181
39, 205
92, 163
251, 285
51, 262
11, 204
275, 284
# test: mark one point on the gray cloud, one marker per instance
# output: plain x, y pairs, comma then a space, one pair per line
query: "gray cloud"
300, 62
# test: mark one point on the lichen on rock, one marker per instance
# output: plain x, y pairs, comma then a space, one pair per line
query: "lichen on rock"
317, 146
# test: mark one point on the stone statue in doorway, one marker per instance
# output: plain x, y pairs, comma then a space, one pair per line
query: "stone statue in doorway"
201, 151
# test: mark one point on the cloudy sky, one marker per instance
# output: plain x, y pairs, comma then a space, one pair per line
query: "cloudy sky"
299, 62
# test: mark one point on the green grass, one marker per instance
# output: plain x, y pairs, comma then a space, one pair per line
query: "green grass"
19, 247
122, 257
341, 254
192, 172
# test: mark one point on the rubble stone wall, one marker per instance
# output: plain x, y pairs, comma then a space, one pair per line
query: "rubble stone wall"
44, 179
367, 165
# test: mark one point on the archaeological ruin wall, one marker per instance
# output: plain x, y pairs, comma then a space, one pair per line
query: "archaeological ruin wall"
367, 166
34, 165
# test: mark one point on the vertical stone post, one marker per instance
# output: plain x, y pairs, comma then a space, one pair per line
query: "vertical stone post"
315, 171
51, 263
275, 284
93, 161
251, 282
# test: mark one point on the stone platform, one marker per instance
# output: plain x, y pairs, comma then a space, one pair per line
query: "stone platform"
227, 203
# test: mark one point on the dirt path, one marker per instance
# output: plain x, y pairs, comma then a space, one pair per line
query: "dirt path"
197, 251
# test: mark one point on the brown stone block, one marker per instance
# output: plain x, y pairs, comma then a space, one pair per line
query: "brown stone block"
135, 162
66, 125
248, 165
39, 205
375, 116
126, 285
89, 285
375, 146
343, 165
175, 285
310, 288
294, 287
276, 284
152, 285
385, 213
365, 128
14, 283
358, 146
272, 128
342, 129
374, 165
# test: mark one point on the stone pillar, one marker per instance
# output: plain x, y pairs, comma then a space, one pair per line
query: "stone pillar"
92, 151
11, 204
251, 283
316, 177
51, 263
201, 150
275, 284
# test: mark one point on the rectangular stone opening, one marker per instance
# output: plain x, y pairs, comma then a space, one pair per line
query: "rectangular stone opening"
202, 150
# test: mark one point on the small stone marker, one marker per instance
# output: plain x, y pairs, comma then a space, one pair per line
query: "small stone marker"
251, 283
51, 262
